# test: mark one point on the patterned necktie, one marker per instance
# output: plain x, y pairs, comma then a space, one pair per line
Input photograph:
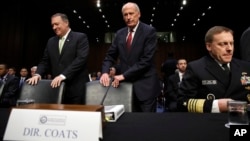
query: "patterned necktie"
129, 39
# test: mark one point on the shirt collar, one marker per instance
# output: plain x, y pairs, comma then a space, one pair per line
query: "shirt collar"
66, 35
135, 28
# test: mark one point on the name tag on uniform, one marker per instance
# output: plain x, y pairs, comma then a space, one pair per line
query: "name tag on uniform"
209, 82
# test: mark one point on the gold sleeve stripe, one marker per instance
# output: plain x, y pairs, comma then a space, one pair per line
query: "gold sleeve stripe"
195, 105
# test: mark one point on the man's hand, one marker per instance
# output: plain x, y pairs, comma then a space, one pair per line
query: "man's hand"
105, 79
56, 82
33, 80
117, 79
222, 103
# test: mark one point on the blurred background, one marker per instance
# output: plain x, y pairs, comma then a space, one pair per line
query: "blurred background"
181, 26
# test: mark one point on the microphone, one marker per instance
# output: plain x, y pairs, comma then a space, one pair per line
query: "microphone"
106, 93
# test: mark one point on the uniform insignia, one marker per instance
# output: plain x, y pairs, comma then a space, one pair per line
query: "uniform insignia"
245, 80
210, 96
209, 82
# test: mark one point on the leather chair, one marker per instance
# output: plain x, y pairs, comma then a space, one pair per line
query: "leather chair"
123, 95
42, 92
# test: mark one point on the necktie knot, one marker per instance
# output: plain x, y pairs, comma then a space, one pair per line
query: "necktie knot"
225, 66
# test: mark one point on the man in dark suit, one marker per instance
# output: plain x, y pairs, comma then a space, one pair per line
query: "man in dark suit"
136, 61
24, 75
211, 81
174, 81
65, 57
9, 86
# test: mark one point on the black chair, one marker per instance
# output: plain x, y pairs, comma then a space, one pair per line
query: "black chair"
42, 92
123, 95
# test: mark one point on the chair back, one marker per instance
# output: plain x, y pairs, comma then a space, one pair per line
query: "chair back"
42, 92
123, 95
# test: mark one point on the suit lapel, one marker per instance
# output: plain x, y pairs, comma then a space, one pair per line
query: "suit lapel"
136, 37
235, 75
124, 41
66, 43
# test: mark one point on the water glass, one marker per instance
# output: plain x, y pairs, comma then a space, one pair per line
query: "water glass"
237, 113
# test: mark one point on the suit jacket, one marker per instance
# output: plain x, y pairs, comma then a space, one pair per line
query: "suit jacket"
19, 80
205, 81
245, 45
10, 91
172, 91
137, 65
71, 62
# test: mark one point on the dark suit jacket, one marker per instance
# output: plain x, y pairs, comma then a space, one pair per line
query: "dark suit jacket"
71, 62
172, 91
137, 65
10, 91
245, 45
205, 76
19, 80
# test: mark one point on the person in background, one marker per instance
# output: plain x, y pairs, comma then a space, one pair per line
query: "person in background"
98, 75
174, 81
213, 80
9, 87
12, 71
135, 45
93, 76
112, 72
65, 57
24, 75
33, 70
48, 76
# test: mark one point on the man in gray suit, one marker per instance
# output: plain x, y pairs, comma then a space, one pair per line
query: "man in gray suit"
136, 61
65, 57
211, 81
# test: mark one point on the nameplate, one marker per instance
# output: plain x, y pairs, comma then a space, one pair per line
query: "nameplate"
53, 125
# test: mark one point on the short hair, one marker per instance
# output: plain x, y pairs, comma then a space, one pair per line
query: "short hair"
33, 67
131, 3
216, 30
5, 65
62, 15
